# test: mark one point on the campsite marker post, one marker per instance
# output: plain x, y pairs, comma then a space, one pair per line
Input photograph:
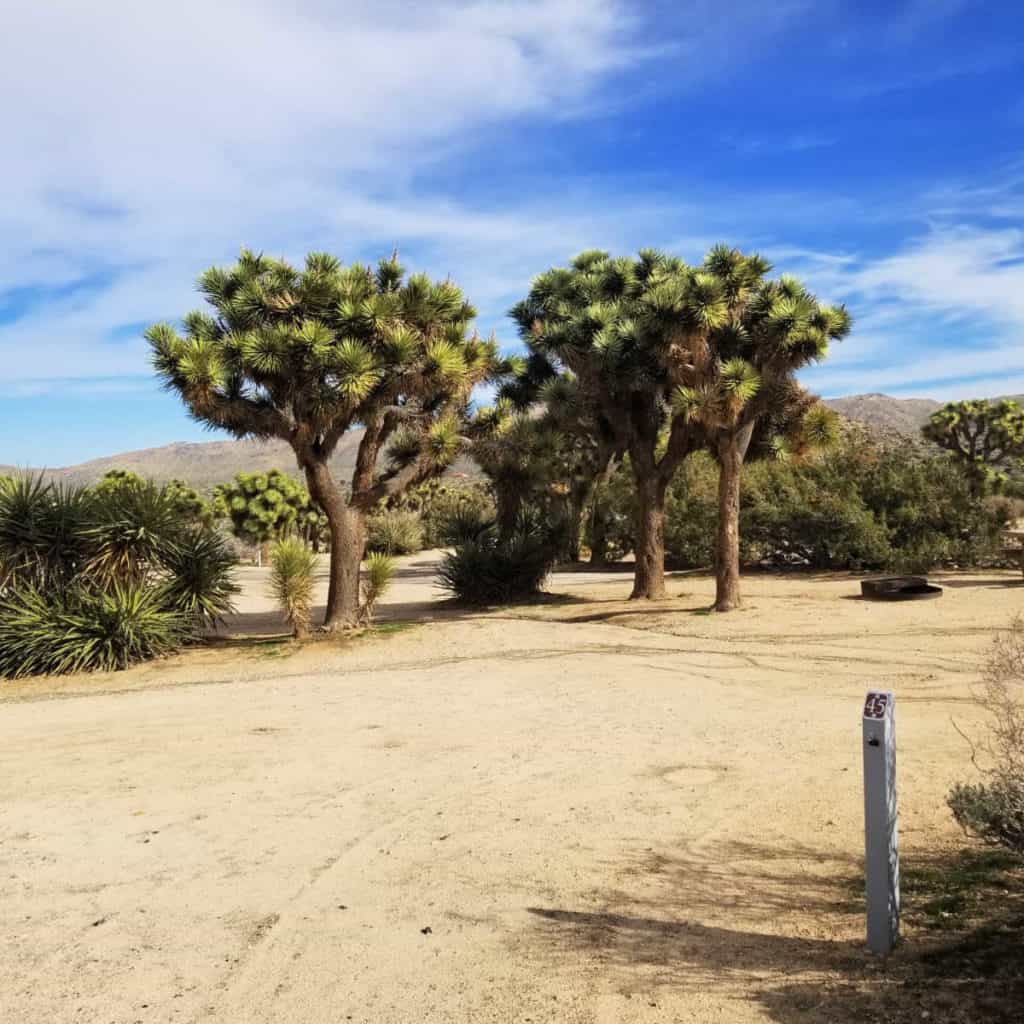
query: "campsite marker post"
881, 856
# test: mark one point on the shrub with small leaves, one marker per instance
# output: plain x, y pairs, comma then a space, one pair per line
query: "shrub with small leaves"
993, 809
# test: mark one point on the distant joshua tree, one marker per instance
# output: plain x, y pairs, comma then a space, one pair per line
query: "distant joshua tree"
984, 436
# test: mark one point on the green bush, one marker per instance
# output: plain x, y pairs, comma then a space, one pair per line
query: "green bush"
465, 524
487, 571
199, 566
394, 532
439, 503
102, 578
377, 577
868, 504
86, 630
292, 582
994, 811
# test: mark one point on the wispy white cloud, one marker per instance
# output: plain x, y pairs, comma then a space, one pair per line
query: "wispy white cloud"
156, 139
944, 315
799, 142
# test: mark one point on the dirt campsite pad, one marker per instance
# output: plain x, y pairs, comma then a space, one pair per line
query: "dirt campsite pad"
580, 811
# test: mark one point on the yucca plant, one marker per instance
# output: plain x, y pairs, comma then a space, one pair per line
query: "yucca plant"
466, 523
199, 585
377, 576
489, 570
292, 583
134, 527
43, 531
86, 629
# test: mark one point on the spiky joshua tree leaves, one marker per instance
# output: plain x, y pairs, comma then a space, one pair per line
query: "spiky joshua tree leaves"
984, 436
306, 355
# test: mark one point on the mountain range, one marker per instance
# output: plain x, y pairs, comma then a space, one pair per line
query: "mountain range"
205, 464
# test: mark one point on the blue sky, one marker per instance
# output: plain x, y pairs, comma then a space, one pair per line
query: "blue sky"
877, 149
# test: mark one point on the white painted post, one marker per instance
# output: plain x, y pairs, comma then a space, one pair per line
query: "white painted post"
881, 855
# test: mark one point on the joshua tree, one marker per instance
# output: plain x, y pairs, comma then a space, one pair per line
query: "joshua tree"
594, 319
735, 369
983, 435
306, 355
669, 358
268, 506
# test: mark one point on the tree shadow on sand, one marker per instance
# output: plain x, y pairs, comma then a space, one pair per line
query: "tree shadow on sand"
799, 954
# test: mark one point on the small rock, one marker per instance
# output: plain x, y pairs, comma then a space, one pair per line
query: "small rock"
427, 931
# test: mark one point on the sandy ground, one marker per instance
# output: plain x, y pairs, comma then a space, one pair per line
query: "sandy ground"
583, 811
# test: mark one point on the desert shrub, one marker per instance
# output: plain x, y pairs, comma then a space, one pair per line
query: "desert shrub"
486, 570
993, 809
805, 515
86, 629
75, 562
439, 503
292, 582
377, 576
926, 503
869, 503
691, 514
199, 568
610, 529
394, 532
189, 504
465, 524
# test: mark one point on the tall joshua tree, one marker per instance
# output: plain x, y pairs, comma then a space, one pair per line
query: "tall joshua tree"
597, 320
736, 372
983, 435
307, 355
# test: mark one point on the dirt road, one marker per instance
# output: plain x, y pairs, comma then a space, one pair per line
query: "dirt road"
579, 812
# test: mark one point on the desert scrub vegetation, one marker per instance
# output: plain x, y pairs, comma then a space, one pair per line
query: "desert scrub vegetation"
394, 532
378, 573
439, 503
102, 578
866, 502
292, 580
993, 809
487, 568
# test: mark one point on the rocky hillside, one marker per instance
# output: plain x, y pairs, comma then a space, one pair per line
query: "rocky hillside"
205, 464
904, 415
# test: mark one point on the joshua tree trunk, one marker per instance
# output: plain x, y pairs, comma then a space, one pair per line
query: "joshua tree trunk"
649, 576
348, 538
576, 508
732, 450
510, 503
599, 516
